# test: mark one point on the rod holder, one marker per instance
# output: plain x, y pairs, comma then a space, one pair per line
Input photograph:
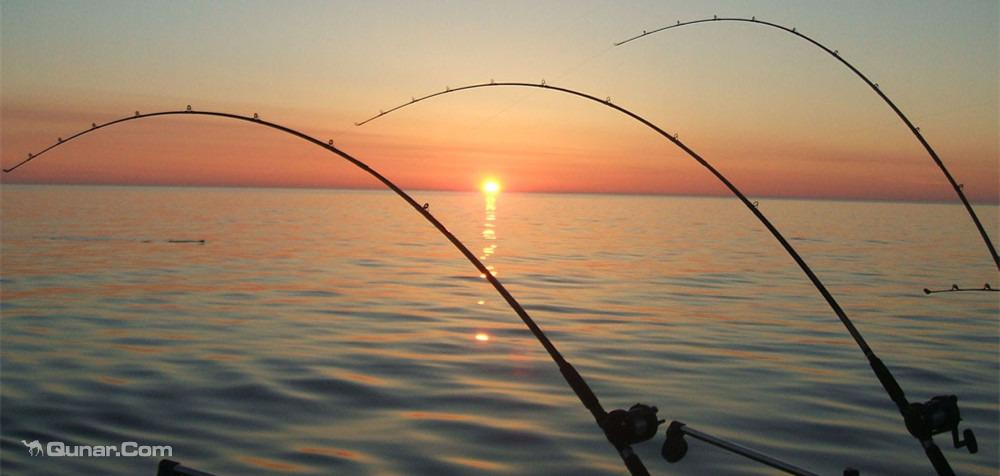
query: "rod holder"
675, 447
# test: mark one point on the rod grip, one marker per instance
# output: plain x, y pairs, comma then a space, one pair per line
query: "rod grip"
889, 383
937, 459
633, 463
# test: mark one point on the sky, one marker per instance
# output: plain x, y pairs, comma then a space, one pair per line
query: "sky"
775, 114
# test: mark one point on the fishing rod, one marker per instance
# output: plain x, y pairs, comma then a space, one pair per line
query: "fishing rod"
622, 428
954, 289
875, 87
923, 420
674, 449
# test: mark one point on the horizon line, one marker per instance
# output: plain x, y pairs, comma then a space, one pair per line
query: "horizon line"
533, 192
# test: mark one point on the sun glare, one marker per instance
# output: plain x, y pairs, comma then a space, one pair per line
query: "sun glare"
490, 186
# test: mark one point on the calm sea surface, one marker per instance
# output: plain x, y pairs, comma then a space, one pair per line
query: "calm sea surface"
334, 332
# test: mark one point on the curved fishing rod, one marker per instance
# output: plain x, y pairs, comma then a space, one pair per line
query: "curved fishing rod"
622, 428
874, 86
923, 420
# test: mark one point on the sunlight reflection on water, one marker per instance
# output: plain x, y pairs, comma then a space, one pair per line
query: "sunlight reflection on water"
319, 332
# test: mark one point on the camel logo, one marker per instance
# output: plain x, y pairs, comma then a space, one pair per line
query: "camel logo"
125, 448
34, 448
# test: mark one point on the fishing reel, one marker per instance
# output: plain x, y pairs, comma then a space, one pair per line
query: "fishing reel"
635, 425
939, 415
674, 447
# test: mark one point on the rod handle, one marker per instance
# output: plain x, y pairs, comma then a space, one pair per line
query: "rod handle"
937, 458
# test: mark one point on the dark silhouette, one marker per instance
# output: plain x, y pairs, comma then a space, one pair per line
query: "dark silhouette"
675, 448
918, 421
173, 468
955, 288
875, 87
620, 431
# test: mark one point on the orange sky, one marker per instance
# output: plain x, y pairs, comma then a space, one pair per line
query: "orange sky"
774, 113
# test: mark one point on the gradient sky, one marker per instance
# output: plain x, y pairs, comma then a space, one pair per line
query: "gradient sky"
771, 111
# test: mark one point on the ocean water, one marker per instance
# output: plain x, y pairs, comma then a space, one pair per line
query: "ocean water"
335, 332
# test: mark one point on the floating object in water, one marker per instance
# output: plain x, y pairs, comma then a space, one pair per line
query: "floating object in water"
199, 242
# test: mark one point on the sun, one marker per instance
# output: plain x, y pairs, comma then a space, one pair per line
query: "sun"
490, 186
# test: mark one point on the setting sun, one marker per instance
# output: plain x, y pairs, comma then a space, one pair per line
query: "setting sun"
490, 186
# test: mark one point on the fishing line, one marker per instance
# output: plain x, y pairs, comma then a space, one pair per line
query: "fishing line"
622, 428
569, 70
923, 420
875, 87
